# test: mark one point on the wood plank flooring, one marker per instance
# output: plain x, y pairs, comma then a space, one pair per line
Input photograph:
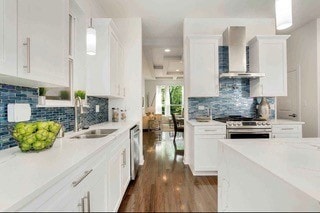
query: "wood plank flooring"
165, 184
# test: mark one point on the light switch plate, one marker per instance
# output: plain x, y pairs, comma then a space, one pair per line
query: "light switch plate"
200, 107
97, 108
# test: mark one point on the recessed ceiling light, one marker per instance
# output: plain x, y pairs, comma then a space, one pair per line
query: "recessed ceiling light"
177, 70
167, 50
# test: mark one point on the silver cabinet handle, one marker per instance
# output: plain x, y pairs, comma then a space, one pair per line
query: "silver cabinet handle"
124, 92
123, 158
28, 43
82, 204
287, 129
89, 201
86, 173
210, 130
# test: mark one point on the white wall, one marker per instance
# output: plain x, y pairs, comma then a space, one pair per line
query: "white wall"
302, 49
150, 87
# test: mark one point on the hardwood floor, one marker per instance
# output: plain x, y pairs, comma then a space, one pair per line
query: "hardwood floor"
165, 184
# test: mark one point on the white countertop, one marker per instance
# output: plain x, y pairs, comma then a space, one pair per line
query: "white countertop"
23, 176
295, 161
285, 122
209, 123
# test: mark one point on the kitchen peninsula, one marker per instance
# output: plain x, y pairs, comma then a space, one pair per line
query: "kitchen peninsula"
269, 175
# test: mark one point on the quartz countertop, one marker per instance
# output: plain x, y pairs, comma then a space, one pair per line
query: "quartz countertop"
209, 123
26, 175
295, 161
285, 122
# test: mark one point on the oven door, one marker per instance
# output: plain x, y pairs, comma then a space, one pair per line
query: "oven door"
248, 133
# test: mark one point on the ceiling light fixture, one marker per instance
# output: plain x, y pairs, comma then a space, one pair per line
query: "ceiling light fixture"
91, 40
167, 50
283, 14
177, 70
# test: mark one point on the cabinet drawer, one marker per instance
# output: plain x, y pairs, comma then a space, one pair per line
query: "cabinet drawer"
210, 130
284, 129
294, 135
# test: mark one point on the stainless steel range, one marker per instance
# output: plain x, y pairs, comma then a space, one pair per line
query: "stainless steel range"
239, 127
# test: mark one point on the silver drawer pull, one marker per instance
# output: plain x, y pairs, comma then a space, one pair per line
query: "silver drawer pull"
28, 66
82, 204
287, 129
210, 130
86, 173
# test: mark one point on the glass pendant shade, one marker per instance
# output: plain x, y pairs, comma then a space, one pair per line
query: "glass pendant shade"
91, 41
283, 14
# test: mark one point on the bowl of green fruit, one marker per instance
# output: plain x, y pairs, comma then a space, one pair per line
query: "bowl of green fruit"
35, 136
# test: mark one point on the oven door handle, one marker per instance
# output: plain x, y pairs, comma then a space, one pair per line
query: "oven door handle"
251, 131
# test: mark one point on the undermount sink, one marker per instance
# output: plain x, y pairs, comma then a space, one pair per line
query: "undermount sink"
96, 133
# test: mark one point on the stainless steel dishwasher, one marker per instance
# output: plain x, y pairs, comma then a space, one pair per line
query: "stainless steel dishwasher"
135, 150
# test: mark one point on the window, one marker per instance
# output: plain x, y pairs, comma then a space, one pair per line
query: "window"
169, 100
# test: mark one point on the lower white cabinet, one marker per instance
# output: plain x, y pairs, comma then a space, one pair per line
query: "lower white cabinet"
287, 131
97, 185
204, 149
118, 173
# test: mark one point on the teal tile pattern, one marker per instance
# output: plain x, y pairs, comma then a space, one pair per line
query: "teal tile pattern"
64, 115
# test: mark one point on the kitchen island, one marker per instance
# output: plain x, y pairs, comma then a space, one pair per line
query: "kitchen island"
269, 175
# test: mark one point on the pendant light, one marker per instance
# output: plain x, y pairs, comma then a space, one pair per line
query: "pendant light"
283, 14
91, 40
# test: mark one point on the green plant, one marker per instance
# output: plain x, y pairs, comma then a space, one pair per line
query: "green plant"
42, 91
64, 95
80, 93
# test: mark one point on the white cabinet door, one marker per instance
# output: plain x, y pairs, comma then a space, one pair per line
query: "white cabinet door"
121, 70
286, 135
268, 54
8, 37
114, 181
125, 174
206, 152
45, 57
114, 55
204, 66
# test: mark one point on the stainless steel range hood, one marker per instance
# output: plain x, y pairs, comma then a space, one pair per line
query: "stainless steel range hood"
235, 38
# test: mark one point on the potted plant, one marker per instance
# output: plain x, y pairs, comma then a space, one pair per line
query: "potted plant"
42, 96
64, 95
81, 94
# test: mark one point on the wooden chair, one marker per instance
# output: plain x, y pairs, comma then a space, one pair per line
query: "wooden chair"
176, 129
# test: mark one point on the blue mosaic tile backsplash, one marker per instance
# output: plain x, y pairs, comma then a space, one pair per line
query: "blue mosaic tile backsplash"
64, 115
234, 96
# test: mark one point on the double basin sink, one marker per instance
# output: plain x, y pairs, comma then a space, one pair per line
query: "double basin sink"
96, 133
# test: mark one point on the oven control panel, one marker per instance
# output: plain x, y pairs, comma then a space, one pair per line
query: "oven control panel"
248, 124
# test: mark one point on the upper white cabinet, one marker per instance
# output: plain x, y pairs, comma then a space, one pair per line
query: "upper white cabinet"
106, 68
8, 37
203, 58
43, 41
268, 54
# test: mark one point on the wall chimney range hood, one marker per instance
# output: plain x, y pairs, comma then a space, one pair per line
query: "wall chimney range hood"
235, 38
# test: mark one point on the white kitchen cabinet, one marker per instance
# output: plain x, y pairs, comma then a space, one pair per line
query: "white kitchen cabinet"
105, 69
203, 58
287, 131
118, 172
8, 37
71, 193
204, 149
268, 54
43, 41
121, 71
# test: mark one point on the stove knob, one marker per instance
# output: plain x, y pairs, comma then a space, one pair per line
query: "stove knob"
239, 124
263, 124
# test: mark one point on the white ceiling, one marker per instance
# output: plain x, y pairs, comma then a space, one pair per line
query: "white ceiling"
162, 20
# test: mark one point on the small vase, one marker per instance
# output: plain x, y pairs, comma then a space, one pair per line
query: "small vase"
264, 109
42, 100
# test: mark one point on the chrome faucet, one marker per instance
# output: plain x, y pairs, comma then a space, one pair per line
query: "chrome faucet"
76, 104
